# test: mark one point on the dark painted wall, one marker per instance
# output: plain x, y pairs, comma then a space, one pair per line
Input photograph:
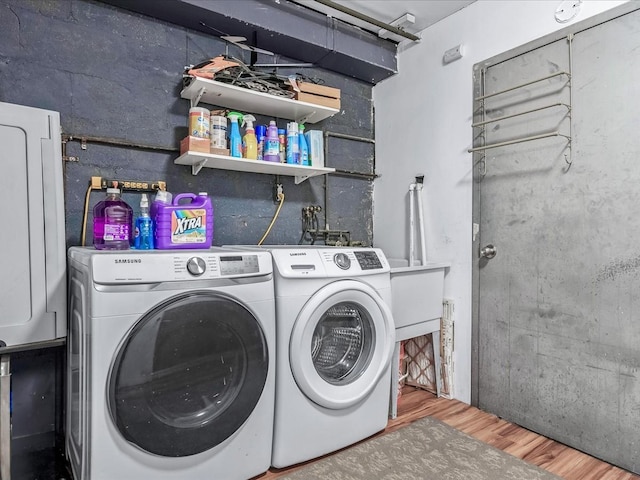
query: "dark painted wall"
111, 73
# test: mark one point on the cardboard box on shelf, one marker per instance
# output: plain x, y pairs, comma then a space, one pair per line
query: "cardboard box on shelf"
321, 90
318, 100
219, 151
194, 144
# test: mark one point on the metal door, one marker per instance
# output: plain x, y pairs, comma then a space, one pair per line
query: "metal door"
188, 374
341, 344
556, 322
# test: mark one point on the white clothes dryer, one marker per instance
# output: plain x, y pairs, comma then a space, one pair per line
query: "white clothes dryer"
171, 358
335, 340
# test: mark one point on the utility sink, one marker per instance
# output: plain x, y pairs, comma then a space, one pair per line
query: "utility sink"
416, 292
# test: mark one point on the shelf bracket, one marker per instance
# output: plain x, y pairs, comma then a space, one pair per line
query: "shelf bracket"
196, 167
195, 100
301, 178
306, 117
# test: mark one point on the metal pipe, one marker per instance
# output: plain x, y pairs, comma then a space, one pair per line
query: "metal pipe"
368, 19
421, 233
557, 74
5, 417
116, 142
346, 173
519, 140
349, 173
479, 124
412, 224
349, 137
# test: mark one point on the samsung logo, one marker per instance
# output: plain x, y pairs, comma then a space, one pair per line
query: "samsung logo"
297, 254
128, 260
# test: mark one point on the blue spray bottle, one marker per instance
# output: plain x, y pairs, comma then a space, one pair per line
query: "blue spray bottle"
143, 239
304, 148
235, 140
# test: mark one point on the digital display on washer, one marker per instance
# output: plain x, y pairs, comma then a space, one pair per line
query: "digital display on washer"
368, 260
238, 264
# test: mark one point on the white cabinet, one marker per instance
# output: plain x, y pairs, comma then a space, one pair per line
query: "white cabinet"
250, 101
33, 291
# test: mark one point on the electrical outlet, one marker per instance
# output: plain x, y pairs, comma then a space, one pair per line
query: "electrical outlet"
130, 185
277, 192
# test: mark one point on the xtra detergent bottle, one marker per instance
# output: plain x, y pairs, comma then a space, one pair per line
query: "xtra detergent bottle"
187, 222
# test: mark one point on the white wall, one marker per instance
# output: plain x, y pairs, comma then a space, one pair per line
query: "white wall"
423, 126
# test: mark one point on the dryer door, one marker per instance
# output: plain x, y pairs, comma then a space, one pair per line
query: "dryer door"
188, 374
341, 344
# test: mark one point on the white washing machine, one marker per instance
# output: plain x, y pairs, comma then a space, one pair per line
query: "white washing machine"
335, 341
171, 358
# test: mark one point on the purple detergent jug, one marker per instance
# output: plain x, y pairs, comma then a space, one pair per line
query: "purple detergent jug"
184, 224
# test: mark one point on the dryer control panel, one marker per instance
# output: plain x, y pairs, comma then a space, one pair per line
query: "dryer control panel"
134, 267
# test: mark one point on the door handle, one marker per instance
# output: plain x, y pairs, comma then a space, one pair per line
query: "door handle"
488, 252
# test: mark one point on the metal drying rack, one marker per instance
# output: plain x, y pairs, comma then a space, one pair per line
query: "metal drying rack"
557, 133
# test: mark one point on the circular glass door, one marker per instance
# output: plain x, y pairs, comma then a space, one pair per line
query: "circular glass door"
341, 344
188, 374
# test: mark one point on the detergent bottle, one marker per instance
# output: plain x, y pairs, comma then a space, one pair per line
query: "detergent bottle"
235, 140
304, 148
272, 144
187, 222
250, 142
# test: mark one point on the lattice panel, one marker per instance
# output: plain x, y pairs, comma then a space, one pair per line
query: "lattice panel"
421, 371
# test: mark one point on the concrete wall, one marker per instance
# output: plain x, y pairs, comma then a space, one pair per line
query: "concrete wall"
423, 126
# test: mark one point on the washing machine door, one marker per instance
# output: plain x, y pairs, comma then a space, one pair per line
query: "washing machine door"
341, 344
188, 374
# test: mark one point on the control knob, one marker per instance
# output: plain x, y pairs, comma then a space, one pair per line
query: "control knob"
342, 261
196, 266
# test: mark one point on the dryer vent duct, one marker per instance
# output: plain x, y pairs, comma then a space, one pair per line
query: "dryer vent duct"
284, 28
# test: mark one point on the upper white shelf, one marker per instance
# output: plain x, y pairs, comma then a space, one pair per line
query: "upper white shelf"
199, 160
252, 101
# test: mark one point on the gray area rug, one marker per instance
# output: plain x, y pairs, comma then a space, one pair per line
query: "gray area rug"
425, 450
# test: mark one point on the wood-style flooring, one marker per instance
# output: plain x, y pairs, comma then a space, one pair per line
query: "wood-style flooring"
555, 457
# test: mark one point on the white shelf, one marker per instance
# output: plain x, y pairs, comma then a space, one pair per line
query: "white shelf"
252, 101
199, 160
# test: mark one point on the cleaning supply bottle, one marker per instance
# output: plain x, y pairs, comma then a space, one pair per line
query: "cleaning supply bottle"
112, 222
293, 147
187, 222
249, 141
304, 148
235, 140
143, 236
282, 138
261, 135
272, 144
